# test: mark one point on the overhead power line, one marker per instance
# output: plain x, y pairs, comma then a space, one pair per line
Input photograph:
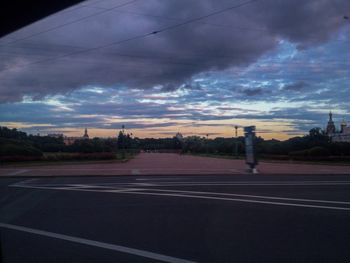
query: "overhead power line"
161, 30
204, 17
33, 46
71, 22
178, 19
66, 11
194, 61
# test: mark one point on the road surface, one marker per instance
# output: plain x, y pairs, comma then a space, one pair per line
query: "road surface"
171, 164
240, 218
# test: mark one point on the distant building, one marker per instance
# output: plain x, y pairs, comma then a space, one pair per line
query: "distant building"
86, 136
71, 140
330, 125
55, 135
179, 136
343, 135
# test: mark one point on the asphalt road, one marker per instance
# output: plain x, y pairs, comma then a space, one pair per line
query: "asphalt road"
176, 219
169, 164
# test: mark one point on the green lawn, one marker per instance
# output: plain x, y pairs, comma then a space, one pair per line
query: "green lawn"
277, 159
61, 159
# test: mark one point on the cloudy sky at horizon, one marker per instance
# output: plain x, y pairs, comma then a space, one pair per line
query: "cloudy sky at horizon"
280, 65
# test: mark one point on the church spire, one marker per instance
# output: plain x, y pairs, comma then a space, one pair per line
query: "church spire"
86, 135
330, 126
330, 116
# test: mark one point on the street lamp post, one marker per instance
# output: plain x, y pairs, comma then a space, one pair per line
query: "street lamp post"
236, 142
123, 141
207, 146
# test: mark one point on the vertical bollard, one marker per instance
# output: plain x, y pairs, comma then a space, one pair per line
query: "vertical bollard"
251, 161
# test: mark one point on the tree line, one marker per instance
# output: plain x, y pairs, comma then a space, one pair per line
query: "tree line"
315, 143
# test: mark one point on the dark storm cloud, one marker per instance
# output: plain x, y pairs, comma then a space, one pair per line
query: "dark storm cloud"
138, 125
170, 58
190, 133
298, 86
253, 92
194, 124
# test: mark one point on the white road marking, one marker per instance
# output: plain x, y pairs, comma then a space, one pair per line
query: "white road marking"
159, 179
83, 189
118, 248
176, 193
143, 184
219, 183
124, 169
241, 200
110, 189
85, 186
106, 190
158, 184
27, 181
244, 184
251, 196
18, 172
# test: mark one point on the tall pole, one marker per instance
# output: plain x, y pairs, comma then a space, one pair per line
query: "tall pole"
207, 146
236, 142
123, 141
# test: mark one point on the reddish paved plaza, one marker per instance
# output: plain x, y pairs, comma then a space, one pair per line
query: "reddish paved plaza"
170, 164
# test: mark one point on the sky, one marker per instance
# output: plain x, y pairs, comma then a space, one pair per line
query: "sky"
192, 66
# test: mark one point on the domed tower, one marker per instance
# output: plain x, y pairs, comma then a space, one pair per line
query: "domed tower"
343, 125
86, 135
330, 126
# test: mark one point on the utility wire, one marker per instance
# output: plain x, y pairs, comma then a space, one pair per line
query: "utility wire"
160, 17
180, 59
178, 19
68, 10
203, 17
41, 47
138, 36
81, 51
71, 22
198, 62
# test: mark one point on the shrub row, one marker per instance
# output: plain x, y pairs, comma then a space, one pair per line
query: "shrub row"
19, 150
313, 152
79, 156
59, 157
305, 158
19, 158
